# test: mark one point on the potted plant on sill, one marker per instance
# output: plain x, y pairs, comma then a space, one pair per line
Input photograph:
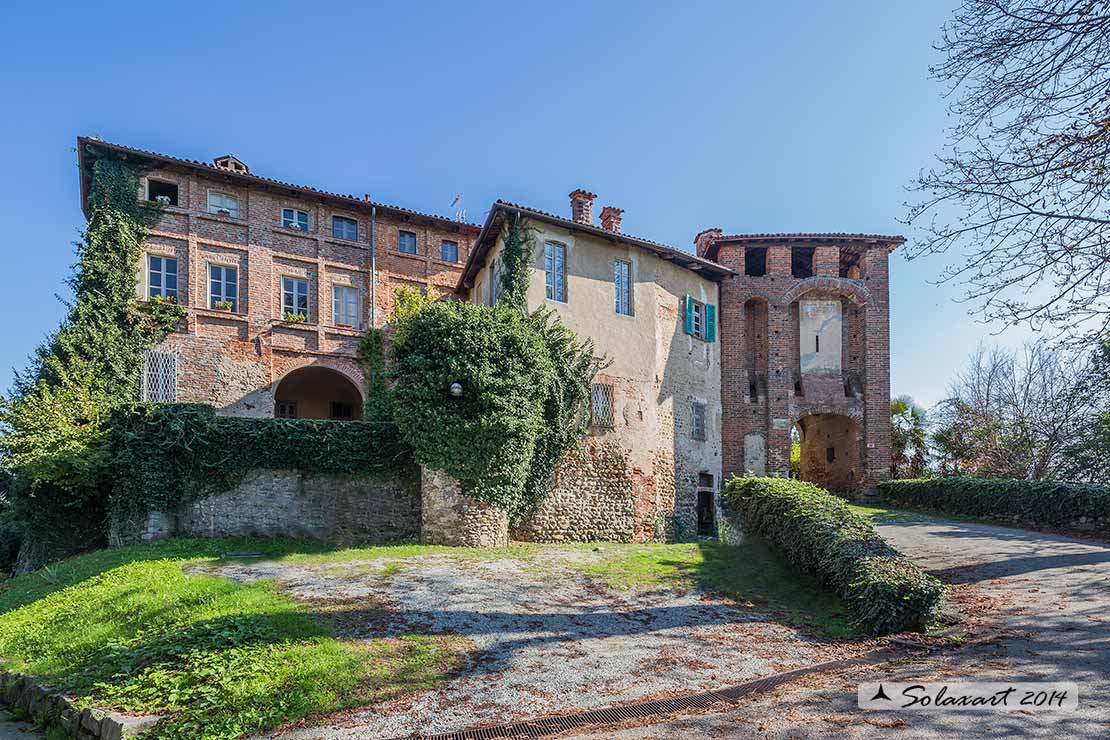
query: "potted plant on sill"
224, 306
295, 318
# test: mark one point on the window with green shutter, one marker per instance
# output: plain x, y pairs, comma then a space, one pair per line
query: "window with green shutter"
701, 319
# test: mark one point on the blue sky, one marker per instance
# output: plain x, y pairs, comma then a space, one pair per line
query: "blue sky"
789, 116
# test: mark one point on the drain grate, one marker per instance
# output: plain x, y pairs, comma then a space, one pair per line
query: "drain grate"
555, 724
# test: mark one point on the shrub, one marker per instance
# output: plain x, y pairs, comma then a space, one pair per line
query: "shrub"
1039, 503
820, 534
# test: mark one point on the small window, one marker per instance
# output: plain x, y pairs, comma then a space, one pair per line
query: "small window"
161, 277
344, 228
285, 410
159, 377
701, 320
755, 261
698, 429
830, 455
342, 411
495, 286
292, 218
555, 271
162, 192
344, 305
406, 242
294, 299
622, 284
801, 262
449, 251
705, 480
601, 405
223, 284
223, 203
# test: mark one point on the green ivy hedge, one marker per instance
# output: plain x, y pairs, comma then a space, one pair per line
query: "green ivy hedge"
819, 533
162, 454
1038, 503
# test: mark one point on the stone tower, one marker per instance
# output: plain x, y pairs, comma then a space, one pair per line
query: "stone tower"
805, 347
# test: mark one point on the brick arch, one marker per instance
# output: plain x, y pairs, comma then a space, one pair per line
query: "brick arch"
853, 290
348, 367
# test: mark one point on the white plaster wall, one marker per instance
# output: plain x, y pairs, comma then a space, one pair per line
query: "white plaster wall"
819, 336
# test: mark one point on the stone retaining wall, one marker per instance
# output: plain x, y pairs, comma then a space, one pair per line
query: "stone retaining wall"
44, 703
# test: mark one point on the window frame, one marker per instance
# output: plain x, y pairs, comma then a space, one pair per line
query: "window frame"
338, 217
554, 279
415, 242
627, 288
294, 222
290, 405
170, 386
698, 329
163, 181
232, 212
357, 323
224, 282
443, 243
700, 413
296, 282
597, 418
164, 292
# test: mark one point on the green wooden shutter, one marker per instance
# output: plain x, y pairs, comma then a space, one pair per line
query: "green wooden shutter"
689, 315
710, 322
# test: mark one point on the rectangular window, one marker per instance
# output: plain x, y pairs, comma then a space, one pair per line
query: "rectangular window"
622, 282
701, 320
698, 430
162, 192
159, 377
344, 228
495, 286
342, 411
406, 242
555, 271
223, 203
801, 262
161, 277
601, 405
294, 298
292, 218
285, 410
449, 251
755, 261
344, 304
223, 287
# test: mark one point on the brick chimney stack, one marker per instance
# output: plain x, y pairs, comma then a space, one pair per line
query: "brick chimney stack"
582, 206
704, 239
611, 218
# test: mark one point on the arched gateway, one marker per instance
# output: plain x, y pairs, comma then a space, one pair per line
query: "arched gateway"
317, 392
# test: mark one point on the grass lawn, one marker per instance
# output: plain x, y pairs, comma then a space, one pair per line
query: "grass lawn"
129, 629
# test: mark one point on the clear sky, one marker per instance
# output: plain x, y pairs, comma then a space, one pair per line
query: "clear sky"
785, 116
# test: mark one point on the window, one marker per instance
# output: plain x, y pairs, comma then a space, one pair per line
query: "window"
344, 306
161, 277
223, 282
555, 271
291, 218
223, 203
285, 410
449, 251
622, 282
601, 405
294, 297
830, 455
755, 261
701, 320
406, 242
342, 411
705, 480
159, 382
162, 192
801, 262
698, 430
344, 228
495, 286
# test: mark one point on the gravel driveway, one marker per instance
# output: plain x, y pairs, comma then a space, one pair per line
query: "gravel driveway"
546, 638
1050, 597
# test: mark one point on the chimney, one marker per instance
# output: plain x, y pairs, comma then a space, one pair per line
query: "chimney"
704, 239
611, 218
582, 206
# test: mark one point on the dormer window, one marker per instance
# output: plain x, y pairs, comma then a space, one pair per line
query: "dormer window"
292, 218
231, 164
160, 191
224, 204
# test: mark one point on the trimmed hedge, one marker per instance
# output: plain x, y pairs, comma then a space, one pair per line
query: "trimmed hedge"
819, 533
1037, 503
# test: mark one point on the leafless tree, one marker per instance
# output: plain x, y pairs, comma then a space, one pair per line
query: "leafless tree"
1020, 192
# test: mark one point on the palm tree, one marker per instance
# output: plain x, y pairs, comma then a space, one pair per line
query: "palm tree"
908, 450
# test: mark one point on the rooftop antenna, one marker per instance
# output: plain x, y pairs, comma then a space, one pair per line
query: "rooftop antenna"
460, 212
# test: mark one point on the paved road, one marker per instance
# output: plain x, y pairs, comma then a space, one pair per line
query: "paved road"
1050, 594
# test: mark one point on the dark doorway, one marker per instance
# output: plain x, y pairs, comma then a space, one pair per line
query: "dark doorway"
707, 514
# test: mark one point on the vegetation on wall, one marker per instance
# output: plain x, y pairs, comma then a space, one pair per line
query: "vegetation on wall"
821, 535
53, 425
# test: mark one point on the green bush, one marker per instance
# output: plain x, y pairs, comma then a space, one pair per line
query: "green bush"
821, 535
1038, 503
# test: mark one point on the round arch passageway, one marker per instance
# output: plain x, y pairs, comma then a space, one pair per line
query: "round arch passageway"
830, 447
317, 392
